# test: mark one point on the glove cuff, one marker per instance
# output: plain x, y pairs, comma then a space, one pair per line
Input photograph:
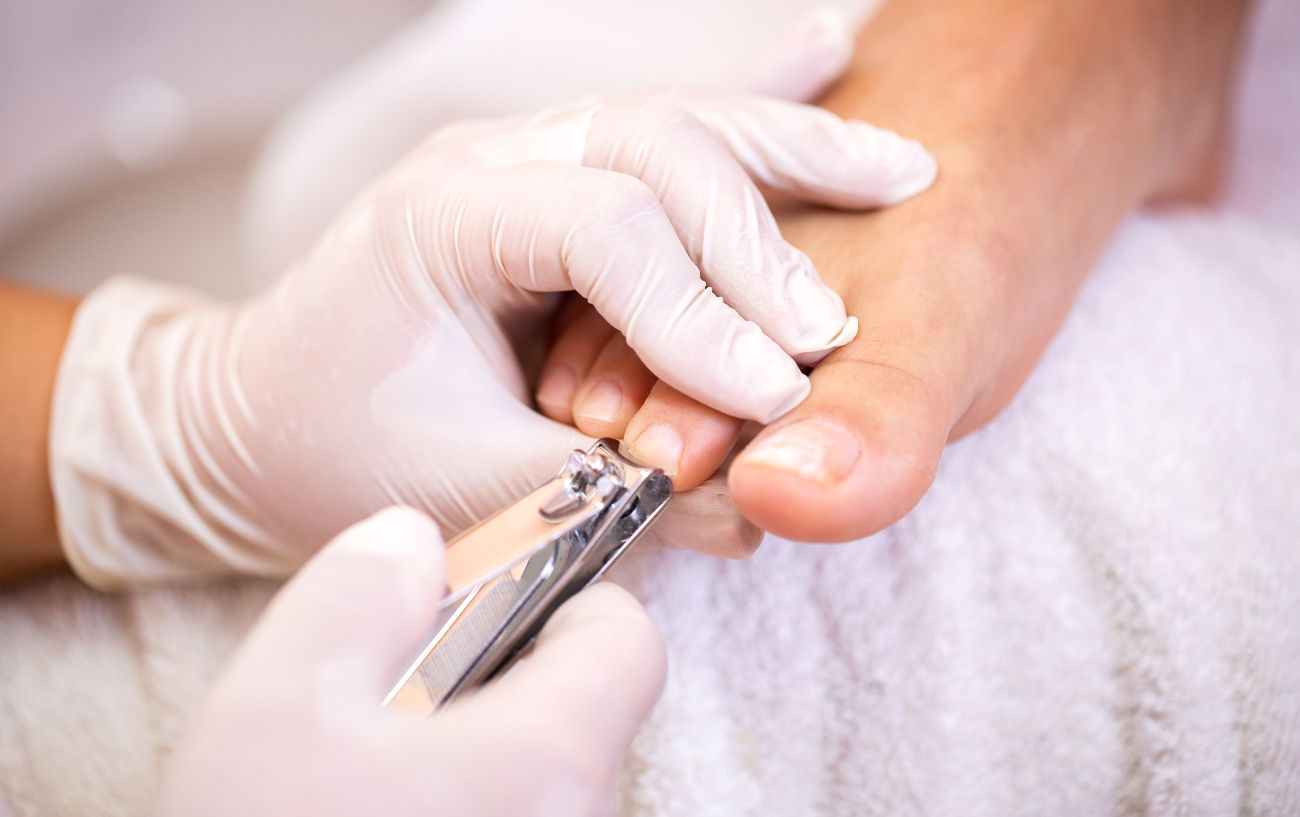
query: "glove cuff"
123, 514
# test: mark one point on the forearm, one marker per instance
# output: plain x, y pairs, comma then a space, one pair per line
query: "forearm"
33, 328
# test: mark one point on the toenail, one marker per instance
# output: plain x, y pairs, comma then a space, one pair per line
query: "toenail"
815, 449
558, 383
601, 403
660, 446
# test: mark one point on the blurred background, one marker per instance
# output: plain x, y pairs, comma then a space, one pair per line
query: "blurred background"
128, 130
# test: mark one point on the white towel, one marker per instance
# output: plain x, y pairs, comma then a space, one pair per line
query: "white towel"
1096, 610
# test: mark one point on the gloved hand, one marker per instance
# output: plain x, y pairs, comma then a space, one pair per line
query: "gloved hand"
326, 149
294, 726
385, 367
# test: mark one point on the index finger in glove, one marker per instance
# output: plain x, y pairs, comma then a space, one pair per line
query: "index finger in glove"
545, 226
700, 155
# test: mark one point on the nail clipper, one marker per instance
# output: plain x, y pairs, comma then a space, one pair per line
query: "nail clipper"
507, 575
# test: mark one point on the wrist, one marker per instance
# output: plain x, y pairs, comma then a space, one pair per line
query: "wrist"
133, 491
33, 329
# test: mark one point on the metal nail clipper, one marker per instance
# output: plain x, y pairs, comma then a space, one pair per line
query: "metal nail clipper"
507, 575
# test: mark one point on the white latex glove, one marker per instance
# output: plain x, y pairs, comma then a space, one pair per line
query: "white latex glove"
294, 726
357, 123
384, 368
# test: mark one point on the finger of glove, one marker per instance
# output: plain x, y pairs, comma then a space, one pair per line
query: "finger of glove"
723, 221
544, 226
812, 154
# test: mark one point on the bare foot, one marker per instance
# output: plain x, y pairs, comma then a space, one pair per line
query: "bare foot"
1051, 122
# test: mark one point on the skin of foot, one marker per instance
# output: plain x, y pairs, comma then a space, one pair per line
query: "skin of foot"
1050, 123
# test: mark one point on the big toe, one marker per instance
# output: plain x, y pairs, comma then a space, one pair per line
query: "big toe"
851, 460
